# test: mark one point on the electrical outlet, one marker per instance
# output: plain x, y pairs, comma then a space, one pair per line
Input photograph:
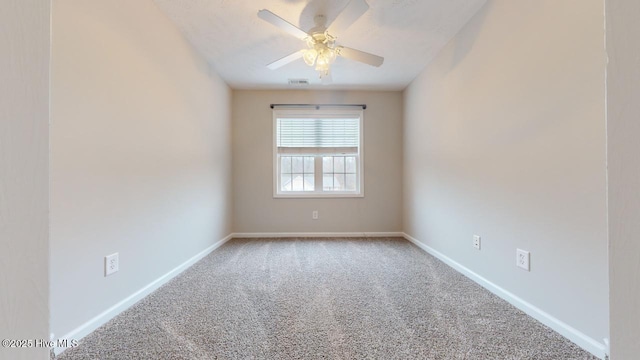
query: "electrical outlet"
522, 259
314, 214
476, 241
111, 264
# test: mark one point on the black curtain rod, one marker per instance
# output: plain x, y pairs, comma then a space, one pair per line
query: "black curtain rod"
317, 106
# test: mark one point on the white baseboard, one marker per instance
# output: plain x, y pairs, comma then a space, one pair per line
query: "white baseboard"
587, 343
271, 235
99, 320
579, 338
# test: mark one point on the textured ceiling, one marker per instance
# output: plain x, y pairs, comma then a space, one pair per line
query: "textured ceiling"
239, 45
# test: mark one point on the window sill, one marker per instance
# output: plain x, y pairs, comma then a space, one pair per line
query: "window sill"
317, 195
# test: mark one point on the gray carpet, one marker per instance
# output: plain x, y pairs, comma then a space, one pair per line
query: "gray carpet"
322, 299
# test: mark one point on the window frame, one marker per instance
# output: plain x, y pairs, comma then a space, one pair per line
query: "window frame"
319, 192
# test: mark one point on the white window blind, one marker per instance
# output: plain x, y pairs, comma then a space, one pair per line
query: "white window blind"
305, 135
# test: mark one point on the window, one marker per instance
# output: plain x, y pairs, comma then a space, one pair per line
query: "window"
317, 153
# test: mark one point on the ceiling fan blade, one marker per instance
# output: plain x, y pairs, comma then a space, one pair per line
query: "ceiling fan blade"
285, 60
283, 24
361, 56
349, 15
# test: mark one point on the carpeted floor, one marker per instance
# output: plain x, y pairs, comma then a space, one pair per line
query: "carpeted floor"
322, 299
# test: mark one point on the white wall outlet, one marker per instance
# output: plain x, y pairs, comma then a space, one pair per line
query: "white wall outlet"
522, 259
476, 241
314, 214
111, 264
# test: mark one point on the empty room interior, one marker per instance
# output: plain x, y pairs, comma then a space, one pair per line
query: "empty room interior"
341, 179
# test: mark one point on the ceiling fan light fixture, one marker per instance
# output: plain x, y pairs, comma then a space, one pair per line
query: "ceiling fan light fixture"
323, 71
331, 55
311, 42
321, 52
322, 66
309, 56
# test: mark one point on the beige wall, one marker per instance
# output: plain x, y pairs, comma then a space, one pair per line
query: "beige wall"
623, 131
140, 154
255, 209
24, 181
505, 138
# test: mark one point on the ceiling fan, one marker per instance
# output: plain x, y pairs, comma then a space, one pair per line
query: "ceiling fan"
322, 50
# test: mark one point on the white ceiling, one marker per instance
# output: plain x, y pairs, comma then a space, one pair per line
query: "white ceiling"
239, 45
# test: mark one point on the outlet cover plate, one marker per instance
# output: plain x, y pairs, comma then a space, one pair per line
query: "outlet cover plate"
314, 215
476, 241
522, 259
111, 264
